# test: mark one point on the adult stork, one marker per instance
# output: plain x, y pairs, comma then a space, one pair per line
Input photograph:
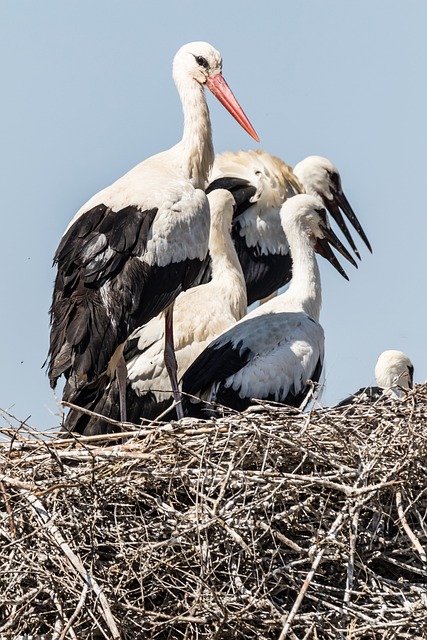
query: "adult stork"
394, 373
275, 350
260, 241
135, 245
200, 314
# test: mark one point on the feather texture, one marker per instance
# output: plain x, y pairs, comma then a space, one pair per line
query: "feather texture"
275, 350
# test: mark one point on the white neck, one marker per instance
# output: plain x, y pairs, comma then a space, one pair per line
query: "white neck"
304, 292
196, 147
227, 274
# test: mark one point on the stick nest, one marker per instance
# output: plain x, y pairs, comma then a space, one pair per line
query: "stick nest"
269, 524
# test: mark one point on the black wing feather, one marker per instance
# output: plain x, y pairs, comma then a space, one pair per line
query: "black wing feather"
264, 273
103, 291
242, 191
216, 363
371, 394
228, 397
102, 398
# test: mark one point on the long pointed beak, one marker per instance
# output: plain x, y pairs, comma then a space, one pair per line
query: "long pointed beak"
333, 207
411, 377
323, 248
222, 91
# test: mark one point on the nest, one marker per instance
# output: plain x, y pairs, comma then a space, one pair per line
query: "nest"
272, 523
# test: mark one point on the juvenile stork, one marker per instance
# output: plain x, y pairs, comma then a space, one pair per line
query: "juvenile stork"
135, 245
200, 314
260, 241
275, 350
394, 373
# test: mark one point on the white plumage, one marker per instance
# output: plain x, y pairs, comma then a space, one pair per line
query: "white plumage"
320, 177
261, 183
394, 374
200, 314
394, 369
276, 349
133, 247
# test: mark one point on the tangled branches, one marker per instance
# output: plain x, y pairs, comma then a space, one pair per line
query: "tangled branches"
268, 524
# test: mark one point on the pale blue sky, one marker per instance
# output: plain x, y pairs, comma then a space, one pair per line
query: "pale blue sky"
87, 94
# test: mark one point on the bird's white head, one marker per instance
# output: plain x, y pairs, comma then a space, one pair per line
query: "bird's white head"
198, 60
308, 214
319, 177
394, 369
305, 215
317, 174
201, 62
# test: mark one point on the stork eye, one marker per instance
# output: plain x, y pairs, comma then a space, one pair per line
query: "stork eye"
334, 178
322, 214
202, 61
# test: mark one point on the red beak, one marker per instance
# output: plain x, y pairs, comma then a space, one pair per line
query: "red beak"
222, 91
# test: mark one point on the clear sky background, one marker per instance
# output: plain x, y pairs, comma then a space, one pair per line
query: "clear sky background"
87, 93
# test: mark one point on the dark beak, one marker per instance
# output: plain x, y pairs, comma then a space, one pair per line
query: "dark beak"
323, 248
411, 377
242, 191
339, 201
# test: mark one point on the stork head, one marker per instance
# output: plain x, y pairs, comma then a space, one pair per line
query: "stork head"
305, 214
394, 369
201, 62
321, 178
222, 206
198, 60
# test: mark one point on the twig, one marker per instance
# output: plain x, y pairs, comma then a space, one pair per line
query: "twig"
213, 528
350, 564
8, 510
284, 539
286, 627
411, 535
75, 561
88, 412
76, 612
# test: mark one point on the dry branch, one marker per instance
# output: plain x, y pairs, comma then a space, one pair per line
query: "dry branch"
266, 525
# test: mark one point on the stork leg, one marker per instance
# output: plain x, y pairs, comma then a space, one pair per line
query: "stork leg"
121, 373
170, 362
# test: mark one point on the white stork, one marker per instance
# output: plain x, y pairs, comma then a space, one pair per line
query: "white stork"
394, 373
261, 183
200, 314
276, 349
134, 246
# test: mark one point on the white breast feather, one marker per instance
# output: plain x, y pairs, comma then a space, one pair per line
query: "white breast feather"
181, 227
287, 347
260, 223
264, 231
180, 232
146, 371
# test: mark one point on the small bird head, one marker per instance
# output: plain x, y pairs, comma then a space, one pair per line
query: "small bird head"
307, 213
199, 61
394, 369
320, 177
